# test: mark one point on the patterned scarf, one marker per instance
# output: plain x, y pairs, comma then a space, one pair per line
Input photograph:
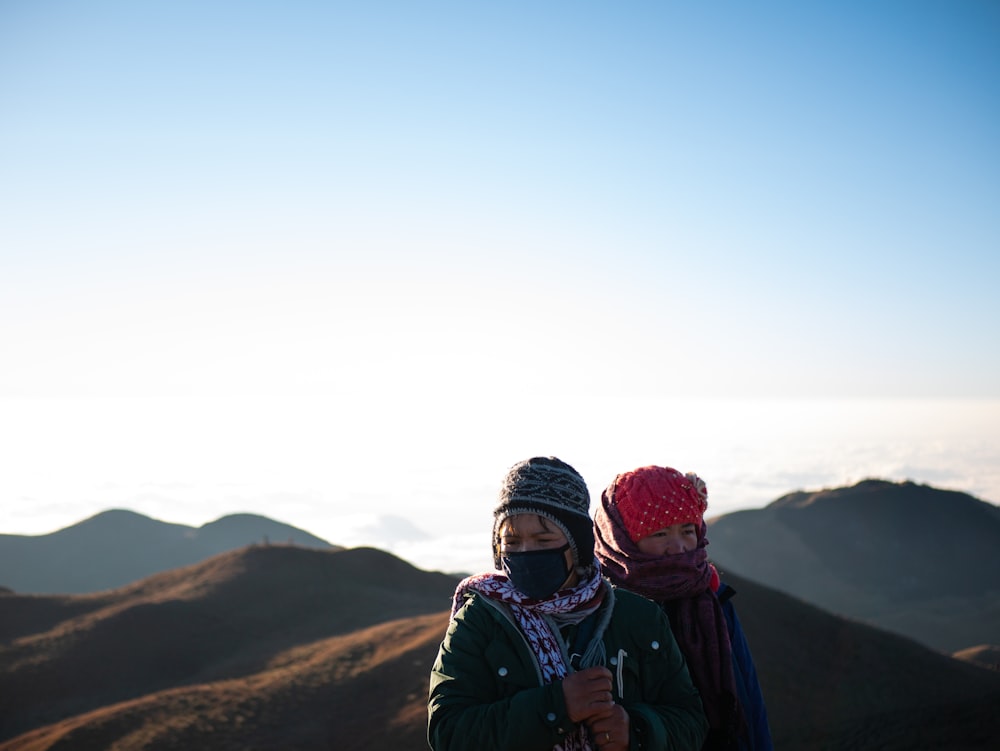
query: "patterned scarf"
535, 617
684, 584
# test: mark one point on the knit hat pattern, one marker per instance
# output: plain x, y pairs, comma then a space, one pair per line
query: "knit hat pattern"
554, 490
652, 498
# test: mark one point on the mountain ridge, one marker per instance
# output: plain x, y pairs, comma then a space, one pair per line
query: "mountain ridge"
257, 648
118, 546
223, 618
911, 558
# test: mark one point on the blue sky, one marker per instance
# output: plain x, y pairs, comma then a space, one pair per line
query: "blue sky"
506, 205
807, 196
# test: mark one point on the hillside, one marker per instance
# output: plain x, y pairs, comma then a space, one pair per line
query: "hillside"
280, 647
116, 547
909, 558
834, 683
227, 617
363, 690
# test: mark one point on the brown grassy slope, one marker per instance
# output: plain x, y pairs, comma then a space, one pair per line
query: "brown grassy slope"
224, 618
362, 690
830, 683
834, 683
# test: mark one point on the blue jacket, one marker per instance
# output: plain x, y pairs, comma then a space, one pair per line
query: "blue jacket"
751, 698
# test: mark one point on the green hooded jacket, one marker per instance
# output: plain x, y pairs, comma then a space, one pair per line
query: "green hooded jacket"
486, 692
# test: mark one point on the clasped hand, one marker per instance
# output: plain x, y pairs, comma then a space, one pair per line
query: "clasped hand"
589, 700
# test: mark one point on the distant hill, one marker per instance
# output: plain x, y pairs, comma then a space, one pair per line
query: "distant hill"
910, 558
279, 647
116, 547
233, 618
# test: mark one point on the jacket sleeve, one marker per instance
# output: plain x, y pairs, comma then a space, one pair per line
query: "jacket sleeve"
484, 696
668, 715
751, 696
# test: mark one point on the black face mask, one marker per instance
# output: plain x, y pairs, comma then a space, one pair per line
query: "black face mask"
537, 573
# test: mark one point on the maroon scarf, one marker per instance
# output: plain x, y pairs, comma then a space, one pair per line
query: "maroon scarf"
684, 585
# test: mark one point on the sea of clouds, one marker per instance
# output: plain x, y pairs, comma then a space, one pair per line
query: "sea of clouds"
425, 492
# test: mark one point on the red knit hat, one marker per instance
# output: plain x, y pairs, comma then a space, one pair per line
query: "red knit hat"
651, 498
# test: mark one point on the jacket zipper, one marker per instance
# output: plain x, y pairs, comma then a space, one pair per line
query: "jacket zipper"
620, 673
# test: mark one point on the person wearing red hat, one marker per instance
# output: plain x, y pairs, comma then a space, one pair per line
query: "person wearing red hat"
548, 655
650, 538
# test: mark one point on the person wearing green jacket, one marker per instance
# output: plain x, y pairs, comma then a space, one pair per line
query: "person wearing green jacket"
548, 655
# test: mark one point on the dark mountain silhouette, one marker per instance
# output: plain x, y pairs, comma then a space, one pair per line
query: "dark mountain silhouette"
910, 558
279, 647
116, 547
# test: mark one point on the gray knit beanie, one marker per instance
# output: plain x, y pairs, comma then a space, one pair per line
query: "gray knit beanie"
552, 489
